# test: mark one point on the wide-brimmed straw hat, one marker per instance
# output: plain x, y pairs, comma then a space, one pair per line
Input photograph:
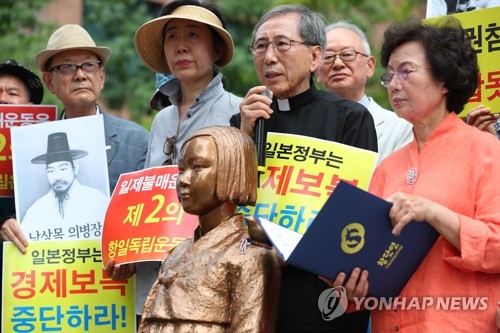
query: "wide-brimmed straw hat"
148, 38
70, 37
30, 79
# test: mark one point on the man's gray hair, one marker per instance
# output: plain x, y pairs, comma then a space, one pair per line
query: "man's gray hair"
354, 28
311, 25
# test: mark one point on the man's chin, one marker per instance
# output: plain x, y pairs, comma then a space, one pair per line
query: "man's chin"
60, 189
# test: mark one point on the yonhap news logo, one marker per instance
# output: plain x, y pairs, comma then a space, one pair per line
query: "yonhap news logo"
332, 303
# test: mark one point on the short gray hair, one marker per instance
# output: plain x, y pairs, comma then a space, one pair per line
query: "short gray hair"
311, 25
354, 28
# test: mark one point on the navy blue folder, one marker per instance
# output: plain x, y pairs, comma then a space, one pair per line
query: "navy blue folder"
353, 229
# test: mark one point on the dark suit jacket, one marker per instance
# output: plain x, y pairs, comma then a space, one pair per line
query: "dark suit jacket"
129, 145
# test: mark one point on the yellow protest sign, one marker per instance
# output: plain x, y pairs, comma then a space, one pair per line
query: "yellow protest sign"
301, 172
60, 286
482, 25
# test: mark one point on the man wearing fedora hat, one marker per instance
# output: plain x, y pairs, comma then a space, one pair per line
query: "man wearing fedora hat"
67, 201
73, 70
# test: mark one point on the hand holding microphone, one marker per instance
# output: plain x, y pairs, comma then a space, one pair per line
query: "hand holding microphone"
260, 138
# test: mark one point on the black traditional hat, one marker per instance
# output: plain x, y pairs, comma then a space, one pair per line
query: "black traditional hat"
58, 150
30, 79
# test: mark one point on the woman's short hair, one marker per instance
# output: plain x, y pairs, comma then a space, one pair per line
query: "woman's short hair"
448, 50
236, 164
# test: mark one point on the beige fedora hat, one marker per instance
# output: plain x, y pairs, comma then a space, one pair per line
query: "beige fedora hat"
70, 37
148, 38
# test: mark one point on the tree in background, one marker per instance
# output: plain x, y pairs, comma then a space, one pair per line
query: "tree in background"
129, 84
22, 34
371, 16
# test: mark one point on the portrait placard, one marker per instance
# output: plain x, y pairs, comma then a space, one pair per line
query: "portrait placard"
61, 178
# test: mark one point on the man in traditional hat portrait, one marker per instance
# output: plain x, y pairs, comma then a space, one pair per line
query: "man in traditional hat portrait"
73, 70
67, 203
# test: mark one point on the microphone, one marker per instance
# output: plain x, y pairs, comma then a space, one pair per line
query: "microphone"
260, 138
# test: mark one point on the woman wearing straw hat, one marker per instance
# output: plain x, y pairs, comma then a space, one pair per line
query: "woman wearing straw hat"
188, 40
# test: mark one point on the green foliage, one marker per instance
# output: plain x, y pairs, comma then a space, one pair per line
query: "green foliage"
129, 84
242, 15
17, 15
22, 35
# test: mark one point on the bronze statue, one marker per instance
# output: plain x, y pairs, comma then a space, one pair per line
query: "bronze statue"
220, 280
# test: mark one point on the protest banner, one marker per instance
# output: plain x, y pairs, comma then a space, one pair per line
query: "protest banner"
144, 219
300, 174
60, 286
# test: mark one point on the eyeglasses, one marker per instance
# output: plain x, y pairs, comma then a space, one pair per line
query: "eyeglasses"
169, 150
346, 56
280, 44
70, 69
400, 74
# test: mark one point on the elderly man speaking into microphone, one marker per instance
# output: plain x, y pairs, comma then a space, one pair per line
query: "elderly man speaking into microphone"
287, 47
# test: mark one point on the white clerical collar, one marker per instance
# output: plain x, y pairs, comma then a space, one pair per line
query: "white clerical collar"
283, 105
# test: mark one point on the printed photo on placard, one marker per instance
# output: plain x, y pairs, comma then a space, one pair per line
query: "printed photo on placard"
61, 178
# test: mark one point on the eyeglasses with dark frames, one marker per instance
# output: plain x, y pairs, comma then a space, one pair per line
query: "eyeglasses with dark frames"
345, 56
70, 69
401, 75
280, 44
169, 150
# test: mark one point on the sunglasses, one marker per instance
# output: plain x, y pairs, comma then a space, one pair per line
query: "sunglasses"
169, 150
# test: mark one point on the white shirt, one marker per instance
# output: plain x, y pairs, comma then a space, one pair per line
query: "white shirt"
84, 211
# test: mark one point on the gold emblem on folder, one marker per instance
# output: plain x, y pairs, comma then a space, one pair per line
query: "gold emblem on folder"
353, 238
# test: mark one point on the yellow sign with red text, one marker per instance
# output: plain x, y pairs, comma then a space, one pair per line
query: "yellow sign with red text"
300, 174
60, 286
484, 29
